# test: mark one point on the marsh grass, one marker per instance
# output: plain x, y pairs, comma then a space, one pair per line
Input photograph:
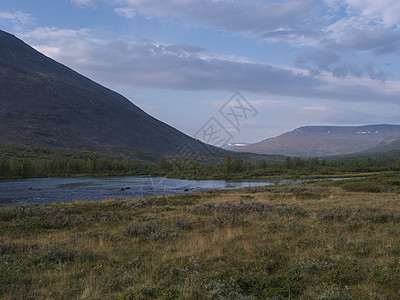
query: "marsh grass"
311, 241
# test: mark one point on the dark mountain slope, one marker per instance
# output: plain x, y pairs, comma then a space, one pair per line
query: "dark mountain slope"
45, 103
321, 141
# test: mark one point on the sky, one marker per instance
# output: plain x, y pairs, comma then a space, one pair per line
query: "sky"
294, 62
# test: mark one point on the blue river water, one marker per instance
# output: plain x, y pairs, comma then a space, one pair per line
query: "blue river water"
48, 190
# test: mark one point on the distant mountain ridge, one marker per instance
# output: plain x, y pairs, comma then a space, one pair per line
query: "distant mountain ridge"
311, 141
45, 103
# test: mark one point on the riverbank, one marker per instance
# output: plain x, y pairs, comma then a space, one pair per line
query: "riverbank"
64, 189
325, 240
48, 190
219, 177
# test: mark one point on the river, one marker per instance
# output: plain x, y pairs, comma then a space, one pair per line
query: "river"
48, 190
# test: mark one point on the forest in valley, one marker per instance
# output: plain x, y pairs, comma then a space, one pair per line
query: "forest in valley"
20, 162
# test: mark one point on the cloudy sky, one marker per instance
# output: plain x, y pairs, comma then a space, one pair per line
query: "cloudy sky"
297, 62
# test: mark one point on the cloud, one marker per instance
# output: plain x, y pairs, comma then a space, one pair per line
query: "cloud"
379, 41
340, 57
122, 63
297, 22
328, 60
126, 12
232, 15
330, 29
370, 69
365, 28
17, 17
268, 20
186, 67
331, 115
387, 11
54, 34
351, 114
84, 3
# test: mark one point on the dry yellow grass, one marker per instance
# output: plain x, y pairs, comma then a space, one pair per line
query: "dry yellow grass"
314, 241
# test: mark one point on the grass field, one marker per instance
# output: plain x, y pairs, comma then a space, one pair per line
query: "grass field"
324, 240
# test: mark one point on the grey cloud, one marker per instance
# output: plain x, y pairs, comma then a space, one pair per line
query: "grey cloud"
370, 68
332, 57
294, 22
328, 60
181, 67
254, 18
347, 69
298, 23
380, 41
322, 59
285, 21
187, 67
330, 115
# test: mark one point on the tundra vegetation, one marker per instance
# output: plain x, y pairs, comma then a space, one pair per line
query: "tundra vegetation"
321, 240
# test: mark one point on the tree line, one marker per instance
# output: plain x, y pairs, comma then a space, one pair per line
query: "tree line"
228, 168
291, 167
23, 167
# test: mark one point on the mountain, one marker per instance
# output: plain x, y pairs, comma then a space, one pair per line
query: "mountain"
388, 147
232, 146
45, 103
311, 141
391, 143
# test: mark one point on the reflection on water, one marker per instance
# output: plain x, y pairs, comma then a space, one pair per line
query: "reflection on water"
47, 190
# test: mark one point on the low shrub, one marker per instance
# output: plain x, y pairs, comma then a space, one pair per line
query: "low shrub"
370, 215
368, 187
150, 230
248, 208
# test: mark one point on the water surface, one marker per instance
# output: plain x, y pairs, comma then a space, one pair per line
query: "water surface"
48, 190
